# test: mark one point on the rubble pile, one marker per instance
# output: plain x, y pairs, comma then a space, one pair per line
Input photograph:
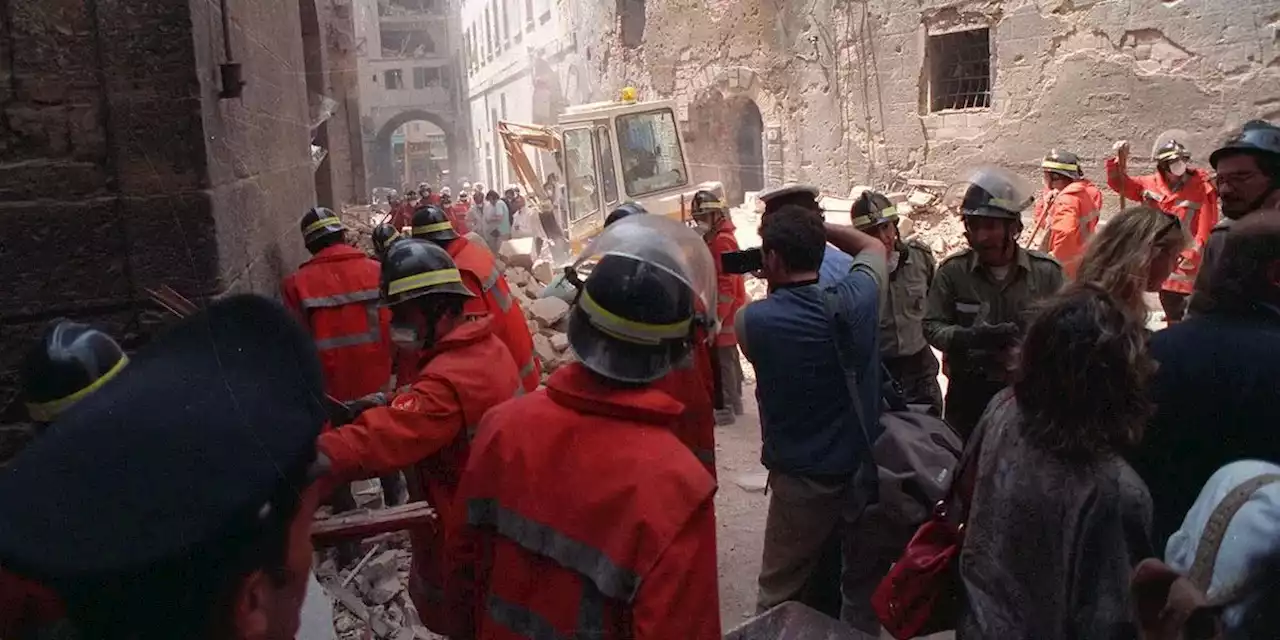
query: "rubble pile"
528, 275
926, 219
359, 222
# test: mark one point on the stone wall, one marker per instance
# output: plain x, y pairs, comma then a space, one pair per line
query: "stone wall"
122, 169
843, 86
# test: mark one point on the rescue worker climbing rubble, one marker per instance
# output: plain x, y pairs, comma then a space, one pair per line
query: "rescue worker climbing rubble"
492, 294
592, 517
464, 370
1067, 208
1177, 189
981, 296
903, 350
711, 216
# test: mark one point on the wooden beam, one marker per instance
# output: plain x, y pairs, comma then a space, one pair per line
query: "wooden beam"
364, 524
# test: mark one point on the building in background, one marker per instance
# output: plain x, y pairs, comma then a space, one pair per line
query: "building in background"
522, 65
409, 75
130, 158
840, 94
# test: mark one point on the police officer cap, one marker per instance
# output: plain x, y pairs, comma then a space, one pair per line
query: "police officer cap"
799, 194
199, 431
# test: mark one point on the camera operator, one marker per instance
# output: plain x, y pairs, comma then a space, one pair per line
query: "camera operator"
809, 449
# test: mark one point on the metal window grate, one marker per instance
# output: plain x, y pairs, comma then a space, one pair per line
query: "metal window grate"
961, 70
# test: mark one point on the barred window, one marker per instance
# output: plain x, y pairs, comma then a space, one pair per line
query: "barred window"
960, 70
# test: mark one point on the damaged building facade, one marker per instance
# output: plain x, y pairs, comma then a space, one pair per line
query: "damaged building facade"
143, 144
846, 93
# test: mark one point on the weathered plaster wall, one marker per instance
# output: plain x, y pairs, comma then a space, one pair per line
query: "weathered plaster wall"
121, 169
841, 85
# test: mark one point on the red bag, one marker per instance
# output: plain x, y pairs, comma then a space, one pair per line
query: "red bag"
922, 593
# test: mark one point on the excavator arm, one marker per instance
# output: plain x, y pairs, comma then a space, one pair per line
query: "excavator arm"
515, 137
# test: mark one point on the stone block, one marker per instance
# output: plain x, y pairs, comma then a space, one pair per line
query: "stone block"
543, 349
548, 311
173, 240
161, 149
560, 342
61, 253
543, 271
144, 39
517, 252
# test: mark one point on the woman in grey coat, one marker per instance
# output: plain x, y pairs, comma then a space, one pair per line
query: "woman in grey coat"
1058, 518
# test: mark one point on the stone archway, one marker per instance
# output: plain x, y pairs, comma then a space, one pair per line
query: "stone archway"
382, 162
734, 131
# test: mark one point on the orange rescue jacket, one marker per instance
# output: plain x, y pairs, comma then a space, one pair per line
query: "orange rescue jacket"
493, 296
426, 429
1072, 217
731, 290
585, 518
335, 295
1195, 203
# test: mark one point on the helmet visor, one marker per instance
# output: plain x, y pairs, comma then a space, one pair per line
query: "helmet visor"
1004, 190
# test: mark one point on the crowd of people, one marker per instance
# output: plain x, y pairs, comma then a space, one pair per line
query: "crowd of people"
1124, 481
495, 217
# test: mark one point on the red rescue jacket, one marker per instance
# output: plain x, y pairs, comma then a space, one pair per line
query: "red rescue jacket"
426, 429
591, 518
335, 295
731, 290
693, 386
401, 216
1195, 203
493, 296
26, 607
458, 218
1072, 217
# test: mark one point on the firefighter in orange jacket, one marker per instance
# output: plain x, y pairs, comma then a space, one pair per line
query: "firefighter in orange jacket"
691, 381
492, 293
593, 519
335, 295
1068, 208
465, 370
1179, 190
712, 218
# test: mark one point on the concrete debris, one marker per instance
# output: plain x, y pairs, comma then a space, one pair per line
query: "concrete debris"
543, 348
544, 271
548, 311
920, 199
518, 252
560, 342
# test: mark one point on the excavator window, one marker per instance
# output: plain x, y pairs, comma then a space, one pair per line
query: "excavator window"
608, 179
652, 159
580, 170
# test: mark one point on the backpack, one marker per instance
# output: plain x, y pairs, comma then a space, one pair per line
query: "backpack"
915, 454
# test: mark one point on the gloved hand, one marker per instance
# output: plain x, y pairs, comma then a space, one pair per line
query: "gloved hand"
360, 405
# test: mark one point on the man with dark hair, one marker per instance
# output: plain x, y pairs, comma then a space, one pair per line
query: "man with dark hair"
814, 442
1216, 392
1248, 178
835, 263
176, 501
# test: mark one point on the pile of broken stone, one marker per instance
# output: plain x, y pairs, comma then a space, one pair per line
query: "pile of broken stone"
529, 275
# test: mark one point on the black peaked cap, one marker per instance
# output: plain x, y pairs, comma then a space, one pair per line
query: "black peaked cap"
202, 427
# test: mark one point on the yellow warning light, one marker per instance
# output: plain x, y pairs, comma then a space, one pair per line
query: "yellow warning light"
628, 94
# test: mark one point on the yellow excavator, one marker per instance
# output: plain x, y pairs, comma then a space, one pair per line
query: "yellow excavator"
607, 153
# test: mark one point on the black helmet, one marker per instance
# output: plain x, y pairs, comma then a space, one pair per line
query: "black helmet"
991, 192
705, 202
383, 235
872, 209
415, 268
431, 223
319, 222
1170, 150
624, 210
1257, 136
71, 361
1063, 163
633, 320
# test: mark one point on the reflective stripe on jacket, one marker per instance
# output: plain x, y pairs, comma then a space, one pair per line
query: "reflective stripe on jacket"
1195, 203
426, 430
335, 295
586, 518
493, 296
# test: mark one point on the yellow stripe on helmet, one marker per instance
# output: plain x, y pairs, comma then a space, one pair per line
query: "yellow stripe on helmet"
1171, 154
433, 227
49, 411
320, 224
423, 280
631, 330
1049, 164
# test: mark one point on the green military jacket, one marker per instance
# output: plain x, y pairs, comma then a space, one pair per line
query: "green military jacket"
902, 313
965, 294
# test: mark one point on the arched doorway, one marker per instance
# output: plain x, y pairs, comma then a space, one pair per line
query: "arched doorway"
749, 144
415, 146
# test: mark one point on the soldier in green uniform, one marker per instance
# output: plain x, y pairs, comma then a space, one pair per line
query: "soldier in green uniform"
981, 297
903, 349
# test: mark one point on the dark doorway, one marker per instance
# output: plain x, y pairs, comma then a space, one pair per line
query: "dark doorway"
749, 142
313, 65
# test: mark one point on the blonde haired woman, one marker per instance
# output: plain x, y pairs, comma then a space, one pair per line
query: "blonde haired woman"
1132, 255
